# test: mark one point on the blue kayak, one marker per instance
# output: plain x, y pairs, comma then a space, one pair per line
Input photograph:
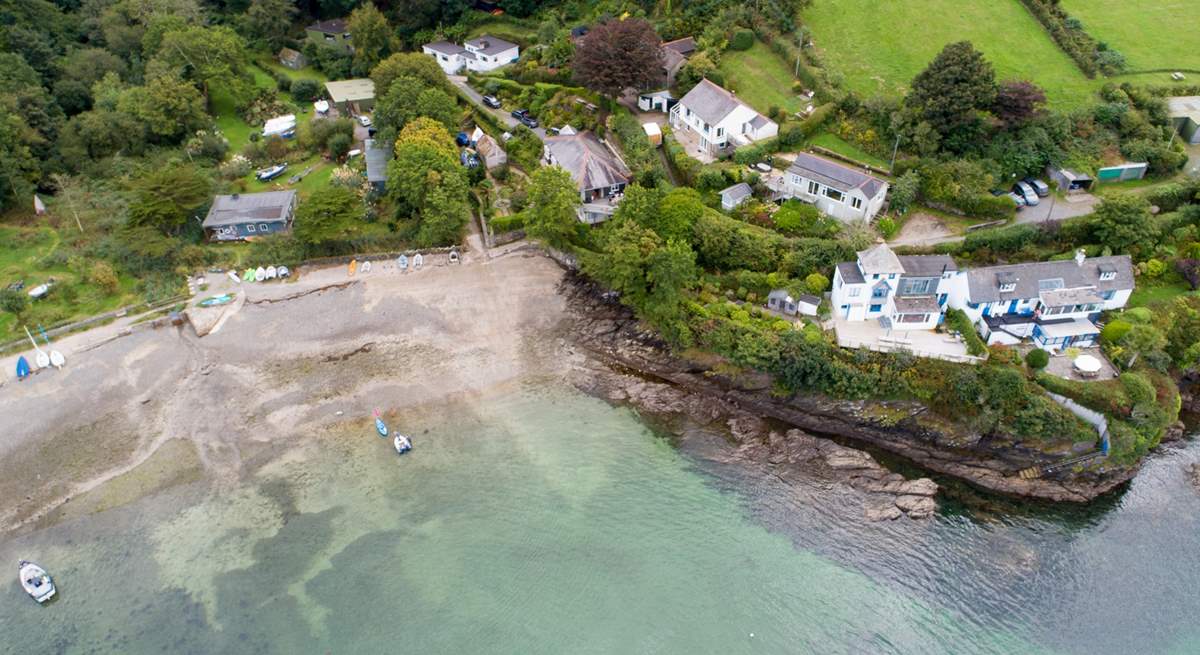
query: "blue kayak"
381, 428
22, 368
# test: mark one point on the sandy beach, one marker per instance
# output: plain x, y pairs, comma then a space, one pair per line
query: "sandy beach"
132, 415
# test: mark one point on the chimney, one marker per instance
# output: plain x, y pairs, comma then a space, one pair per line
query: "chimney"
1080, 255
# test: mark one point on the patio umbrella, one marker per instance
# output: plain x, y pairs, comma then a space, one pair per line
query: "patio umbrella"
1087, 364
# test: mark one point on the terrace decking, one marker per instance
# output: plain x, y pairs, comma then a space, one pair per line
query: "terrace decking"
923, 343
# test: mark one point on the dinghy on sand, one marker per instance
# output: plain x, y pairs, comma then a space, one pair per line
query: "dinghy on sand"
22, 368
401, 443
35, 581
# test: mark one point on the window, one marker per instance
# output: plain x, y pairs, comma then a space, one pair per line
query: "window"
913, 318
1108, 295
1108, 275
876, 308
853, 291
250, 228
856, 203
880, 291
262, 227
328, 37
1007, 287
720, 132
1050, 285
833, 194
875, 277
917, 286
813, 187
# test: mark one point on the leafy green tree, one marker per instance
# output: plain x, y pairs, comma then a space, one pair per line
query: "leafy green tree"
816, 283
165, 198
14, 302
801, 219
100, 133
677, 214
438, 105
425, 157
1123, 222
19, 169
408, 64
905, 190
269, 21
206, 55
639, 205
952, 91
553, 200
168, 106
329, 214
698, 67
1037, 359
443, 216
305, 89
371, 36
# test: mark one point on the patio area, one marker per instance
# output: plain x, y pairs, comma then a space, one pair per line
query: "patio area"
690, 141
922, 343
1063, 366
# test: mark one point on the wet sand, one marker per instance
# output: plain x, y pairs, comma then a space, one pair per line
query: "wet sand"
161, 408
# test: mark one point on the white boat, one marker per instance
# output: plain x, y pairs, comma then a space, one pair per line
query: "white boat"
322, 106
283, 126
271, 272
418, 260
365, 268
40, 291
260, 274
35, 581
234, 276
402, 444
57, 359
402, 263
283, 271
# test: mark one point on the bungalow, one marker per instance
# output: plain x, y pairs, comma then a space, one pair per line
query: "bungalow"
1053, 303
906, 292
330, 33
489, 150
735, 195
482, 54
598, 172
292, 59
352, 96
675, 55
842, 192
719, 119
247, 215
783, 302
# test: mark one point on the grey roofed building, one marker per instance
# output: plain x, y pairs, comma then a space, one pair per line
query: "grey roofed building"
879, 259
835, 175
735, 195
1032, 279
243, 215
332, 26
850, 273
588, 161
377, 160
446, 48
684, 46
358, 90
927, 265
490, 45
917, 305
710, 102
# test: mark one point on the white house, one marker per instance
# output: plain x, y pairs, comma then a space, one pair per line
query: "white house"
906, 292
719, 119
842, 192
1053, 303
599, 174
480, 55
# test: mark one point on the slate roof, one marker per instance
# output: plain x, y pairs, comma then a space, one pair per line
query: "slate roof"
927, 265
835, 175
811, 300
590, 164
1184, 107
710, 102
250, 208
377, 160
445, 47
737, 192
917, 305
684, 46
333, 26
850, 273
879, 259
490, 45
983, 285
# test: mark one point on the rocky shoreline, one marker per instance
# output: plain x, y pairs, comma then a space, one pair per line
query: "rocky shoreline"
609, 332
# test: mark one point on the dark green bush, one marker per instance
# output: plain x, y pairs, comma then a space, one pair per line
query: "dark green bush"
742, 40
1037, 359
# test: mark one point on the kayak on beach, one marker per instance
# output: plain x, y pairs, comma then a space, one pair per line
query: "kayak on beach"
380, 427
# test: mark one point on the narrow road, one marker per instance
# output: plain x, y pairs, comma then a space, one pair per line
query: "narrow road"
503, 115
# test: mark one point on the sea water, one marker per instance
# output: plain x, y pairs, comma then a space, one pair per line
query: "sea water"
541, 520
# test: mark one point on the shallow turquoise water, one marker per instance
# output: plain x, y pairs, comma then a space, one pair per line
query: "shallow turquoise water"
544, 521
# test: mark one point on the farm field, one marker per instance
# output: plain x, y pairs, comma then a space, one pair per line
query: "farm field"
1138, 29
760, 78
880, 46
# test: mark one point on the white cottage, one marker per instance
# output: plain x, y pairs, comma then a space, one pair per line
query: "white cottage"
906, 292
719, 119
842, 192
480, 55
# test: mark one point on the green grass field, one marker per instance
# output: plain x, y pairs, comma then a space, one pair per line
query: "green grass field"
880, 46
761, 78
507, 28
1152, 34
837, 144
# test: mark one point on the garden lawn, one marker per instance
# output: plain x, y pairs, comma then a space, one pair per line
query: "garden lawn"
222, 106
507, 28
270, 65
1151, 293
761, 78
1152, 34
879, 47
835, 143
316, 179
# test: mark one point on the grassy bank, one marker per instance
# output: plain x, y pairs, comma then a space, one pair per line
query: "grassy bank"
1151, 35
761, 78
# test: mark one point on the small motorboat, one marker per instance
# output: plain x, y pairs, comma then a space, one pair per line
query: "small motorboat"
234, 276
283, 271
365, 268
418, 260
353, 268
402, 263
272, 272
260, 274
454, 257
271, 173
248, 276
402, 443
40, 291
213, 301
35, 581
380, 426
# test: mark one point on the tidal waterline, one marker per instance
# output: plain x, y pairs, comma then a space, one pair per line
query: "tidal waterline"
545, 521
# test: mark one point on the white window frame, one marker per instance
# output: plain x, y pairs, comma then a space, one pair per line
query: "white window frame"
250, 227
856, 202
262, 227
852, 292
839, 198
814, 188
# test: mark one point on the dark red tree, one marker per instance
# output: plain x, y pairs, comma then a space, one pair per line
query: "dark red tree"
1017, 102
618, 55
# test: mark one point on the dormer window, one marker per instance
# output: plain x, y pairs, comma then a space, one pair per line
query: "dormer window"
1008, 287
1107, 273
1007, 282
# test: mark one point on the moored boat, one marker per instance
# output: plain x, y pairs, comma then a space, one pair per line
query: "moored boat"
402, 443
380, 427
35, 581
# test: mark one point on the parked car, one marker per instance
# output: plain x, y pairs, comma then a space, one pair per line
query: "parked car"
364, 120
1026, 192
519, 113
1039, 187
1017, 200
491, 101
528, 121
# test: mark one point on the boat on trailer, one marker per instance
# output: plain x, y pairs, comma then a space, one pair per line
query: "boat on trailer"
35, 581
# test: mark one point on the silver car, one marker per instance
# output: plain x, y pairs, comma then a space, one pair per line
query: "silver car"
1039, 187
1027, 193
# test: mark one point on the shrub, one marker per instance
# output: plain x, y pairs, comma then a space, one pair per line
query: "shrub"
103, 276
1138, 315
1037, 359
816, 283
339, 144
1154, 268
956, 319
1115, 330
887, 227
742, 40
304, 89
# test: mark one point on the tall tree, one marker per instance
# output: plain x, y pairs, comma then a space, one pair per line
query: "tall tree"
1124, 224
553, 199
371, 36
165, 198
206, 55
329, 214
169, 107
408, 64
618, 55
952, 91
1017, 103
270, 20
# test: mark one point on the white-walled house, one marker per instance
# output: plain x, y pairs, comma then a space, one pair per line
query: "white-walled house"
1053, 303
480, 55
842, 192
719, 119
904, 293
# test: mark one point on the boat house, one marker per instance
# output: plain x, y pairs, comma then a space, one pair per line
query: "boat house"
242, 216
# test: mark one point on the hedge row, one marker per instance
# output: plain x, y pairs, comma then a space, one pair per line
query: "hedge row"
956, 319
1068, 33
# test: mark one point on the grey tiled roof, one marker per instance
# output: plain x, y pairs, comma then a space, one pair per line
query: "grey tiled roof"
684, 46
710, 102
490, 45
590, 164
250, 208
833, 174
377, 159
917, 305
737, 191
335, 26
879, 259
446, 48
806, 298
983, 285
850, 273
927, 265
